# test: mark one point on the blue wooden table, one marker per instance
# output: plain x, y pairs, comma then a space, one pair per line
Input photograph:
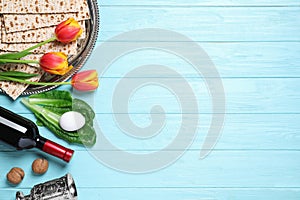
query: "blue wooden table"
150, 89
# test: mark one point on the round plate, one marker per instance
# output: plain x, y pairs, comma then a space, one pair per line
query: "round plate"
85, 49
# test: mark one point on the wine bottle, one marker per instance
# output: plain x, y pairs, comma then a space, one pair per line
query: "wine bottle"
22, 133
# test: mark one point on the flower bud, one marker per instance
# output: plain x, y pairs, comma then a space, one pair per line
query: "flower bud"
68, 31
55, 63
85, 80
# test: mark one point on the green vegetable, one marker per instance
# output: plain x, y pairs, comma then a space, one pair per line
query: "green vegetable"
54, 98
48, 108
84, 108
58, 110
85, 135
39, 123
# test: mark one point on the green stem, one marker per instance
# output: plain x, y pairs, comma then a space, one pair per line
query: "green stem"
18, 61
39, 44
33, 83
21, 54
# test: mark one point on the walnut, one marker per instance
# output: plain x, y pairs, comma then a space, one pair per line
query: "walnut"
15, 175
40, 166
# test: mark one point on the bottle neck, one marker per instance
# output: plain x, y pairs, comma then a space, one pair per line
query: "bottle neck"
54, 149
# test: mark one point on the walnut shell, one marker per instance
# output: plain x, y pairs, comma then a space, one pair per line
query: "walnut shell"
15, 175
40, 166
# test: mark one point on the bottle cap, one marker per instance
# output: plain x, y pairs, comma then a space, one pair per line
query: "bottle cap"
58, 150
68, 155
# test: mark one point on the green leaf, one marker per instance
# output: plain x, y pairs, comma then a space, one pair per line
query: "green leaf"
58, 110
84, 108
16, 74
54, 98
39, 123
3, 78
58, 131
87, 135
48, 118
48, 108
15, 56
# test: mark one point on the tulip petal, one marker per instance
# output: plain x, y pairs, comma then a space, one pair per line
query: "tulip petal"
68, 31
86, 86
85, 75
55, 63
85, 80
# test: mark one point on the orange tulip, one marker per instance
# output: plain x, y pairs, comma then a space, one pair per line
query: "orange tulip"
55, 63
85, 80
68, 31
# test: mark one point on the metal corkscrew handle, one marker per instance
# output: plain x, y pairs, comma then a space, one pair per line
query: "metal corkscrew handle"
57, 189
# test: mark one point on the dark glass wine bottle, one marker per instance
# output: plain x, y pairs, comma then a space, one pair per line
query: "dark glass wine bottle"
24, 134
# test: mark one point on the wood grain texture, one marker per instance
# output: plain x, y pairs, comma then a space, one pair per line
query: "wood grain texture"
255, 47
238, 133
200, 3
233, 60
206, 24
243, 95
220, 169
178, 193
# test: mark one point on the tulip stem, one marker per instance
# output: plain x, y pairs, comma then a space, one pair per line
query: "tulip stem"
2, 78
3, 61
40, 44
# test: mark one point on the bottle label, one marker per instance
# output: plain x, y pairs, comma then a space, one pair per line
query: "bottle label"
13, 125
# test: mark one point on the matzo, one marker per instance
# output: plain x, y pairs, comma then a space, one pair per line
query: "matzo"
33, 57
69, 49
38, 35
17, 22
28, 22
38, 6
13, 89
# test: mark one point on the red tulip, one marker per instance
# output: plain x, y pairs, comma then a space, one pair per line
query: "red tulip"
85, 80
68, 31
55, 63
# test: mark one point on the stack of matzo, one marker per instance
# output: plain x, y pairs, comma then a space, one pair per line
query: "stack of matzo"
26, 23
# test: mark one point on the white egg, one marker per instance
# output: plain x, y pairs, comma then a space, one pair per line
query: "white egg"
71, 121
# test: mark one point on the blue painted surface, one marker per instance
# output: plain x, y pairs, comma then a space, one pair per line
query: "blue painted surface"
255, 47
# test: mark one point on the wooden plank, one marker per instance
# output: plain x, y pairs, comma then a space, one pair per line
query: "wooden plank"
230, 169
177, 193
200, 3
241, 131
213, 23
243, 95
262, 59
263, 132
237, 169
